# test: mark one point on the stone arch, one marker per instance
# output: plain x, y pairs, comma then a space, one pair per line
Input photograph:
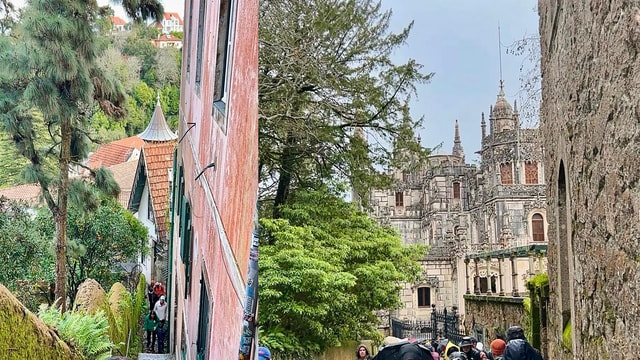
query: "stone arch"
565, 252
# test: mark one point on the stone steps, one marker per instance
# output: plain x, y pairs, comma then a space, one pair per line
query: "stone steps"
147, 356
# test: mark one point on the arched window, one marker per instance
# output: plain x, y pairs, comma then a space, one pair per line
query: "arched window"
537, 226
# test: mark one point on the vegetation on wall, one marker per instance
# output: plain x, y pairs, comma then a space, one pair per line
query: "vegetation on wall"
25, 336
534, 306
567, 341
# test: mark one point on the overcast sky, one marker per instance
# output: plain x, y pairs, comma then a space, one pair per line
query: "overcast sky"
458, 41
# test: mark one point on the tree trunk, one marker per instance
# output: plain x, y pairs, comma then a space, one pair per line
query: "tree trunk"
61, 215
284, 179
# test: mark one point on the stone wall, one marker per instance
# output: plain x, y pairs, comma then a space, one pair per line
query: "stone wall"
494, 314
590, 119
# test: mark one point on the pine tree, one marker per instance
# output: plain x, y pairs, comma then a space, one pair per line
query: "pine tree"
49, 75
333, 103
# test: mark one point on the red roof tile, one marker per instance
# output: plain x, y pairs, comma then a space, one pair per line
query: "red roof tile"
124, 175
175, 15
116, 152
117, 21
29, 192
158, 158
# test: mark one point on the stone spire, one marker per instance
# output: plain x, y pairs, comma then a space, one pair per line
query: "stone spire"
483, 127
158, 129
457, 144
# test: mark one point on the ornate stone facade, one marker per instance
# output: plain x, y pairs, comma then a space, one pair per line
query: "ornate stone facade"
461, 209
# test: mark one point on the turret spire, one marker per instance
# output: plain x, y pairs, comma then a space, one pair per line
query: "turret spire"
158, 129
457, 144
483, 126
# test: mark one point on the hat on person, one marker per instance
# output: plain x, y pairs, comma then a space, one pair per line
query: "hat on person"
497, 347
162, 297
466, 341
515, 332
264, 353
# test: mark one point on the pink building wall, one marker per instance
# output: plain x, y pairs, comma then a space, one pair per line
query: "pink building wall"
223, 198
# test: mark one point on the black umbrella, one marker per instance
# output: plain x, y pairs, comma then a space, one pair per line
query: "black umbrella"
404, 350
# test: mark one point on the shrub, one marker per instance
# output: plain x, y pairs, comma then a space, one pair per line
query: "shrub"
87, 332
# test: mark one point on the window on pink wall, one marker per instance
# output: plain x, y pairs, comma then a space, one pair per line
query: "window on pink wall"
200, 43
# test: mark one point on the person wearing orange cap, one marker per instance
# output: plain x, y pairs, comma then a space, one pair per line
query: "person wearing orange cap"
496, 348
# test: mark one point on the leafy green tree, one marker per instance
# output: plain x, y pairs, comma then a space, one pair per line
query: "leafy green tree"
138, 44
325, 267
170, 101
25, 252
49, 75
326, 84
98, 241
168, 66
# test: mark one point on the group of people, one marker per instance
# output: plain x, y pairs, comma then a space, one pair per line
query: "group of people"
513, 346
155, 322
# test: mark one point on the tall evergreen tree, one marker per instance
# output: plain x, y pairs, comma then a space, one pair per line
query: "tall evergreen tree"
49, 75
333, 104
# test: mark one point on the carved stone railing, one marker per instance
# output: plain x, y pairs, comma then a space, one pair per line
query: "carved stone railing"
516, 190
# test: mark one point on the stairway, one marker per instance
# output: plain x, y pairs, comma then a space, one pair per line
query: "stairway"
147, 356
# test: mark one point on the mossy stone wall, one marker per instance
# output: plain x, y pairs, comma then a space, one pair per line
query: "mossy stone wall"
26, 336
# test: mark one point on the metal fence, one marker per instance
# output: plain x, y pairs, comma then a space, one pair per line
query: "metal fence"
411, 329
443, 324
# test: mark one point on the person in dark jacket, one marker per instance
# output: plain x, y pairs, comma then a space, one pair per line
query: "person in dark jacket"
469, 349
162, 335
518, 348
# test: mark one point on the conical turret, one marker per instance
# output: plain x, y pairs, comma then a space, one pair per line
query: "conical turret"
158, 129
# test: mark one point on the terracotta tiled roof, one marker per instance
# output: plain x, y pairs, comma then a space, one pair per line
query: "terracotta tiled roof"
168, 38
175, 15
124, 174
158, 158
117, 21
28, 192
116, 152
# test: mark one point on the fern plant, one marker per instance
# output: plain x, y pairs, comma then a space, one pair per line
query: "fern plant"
87, 332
